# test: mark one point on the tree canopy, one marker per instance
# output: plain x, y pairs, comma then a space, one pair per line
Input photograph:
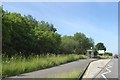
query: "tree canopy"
25, 35
78, 43
100, 46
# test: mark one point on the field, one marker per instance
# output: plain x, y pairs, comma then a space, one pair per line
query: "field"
19, 64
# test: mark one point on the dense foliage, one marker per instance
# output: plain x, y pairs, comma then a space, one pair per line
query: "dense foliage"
25, 35
100, 46
78, 43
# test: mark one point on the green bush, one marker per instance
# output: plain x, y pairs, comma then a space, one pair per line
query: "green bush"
103, 57
108, 54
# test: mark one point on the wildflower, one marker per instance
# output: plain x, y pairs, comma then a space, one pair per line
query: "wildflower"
37, 56
12, 58
8, 62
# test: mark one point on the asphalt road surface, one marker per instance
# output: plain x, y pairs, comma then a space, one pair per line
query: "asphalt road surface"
50, 72
110, 72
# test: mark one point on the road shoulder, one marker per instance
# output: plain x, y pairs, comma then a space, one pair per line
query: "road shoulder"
95, 67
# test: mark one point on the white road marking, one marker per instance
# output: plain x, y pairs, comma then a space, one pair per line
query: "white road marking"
108, 71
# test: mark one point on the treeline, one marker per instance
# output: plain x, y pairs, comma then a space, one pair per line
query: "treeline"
78, 43
25, 35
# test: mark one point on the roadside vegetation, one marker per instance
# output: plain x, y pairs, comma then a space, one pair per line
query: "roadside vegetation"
20, 64
25, 35
26, 43
107, 55
104, 57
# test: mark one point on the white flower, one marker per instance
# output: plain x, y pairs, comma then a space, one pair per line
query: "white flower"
12, 58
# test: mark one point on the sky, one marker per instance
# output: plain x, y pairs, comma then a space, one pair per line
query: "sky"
98, 20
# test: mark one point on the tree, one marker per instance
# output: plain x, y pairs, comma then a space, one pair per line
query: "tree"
68, 44
47, 41
100, 46
45, 26
24, 34
84, 43
16, 34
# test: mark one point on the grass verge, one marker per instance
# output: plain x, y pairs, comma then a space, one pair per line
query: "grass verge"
104, 57
19, 64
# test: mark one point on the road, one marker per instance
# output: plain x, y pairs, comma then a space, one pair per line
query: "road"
51, 72
110, 72
95, 67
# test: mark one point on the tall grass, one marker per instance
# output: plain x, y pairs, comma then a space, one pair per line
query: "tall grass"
19, 64
0, 65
